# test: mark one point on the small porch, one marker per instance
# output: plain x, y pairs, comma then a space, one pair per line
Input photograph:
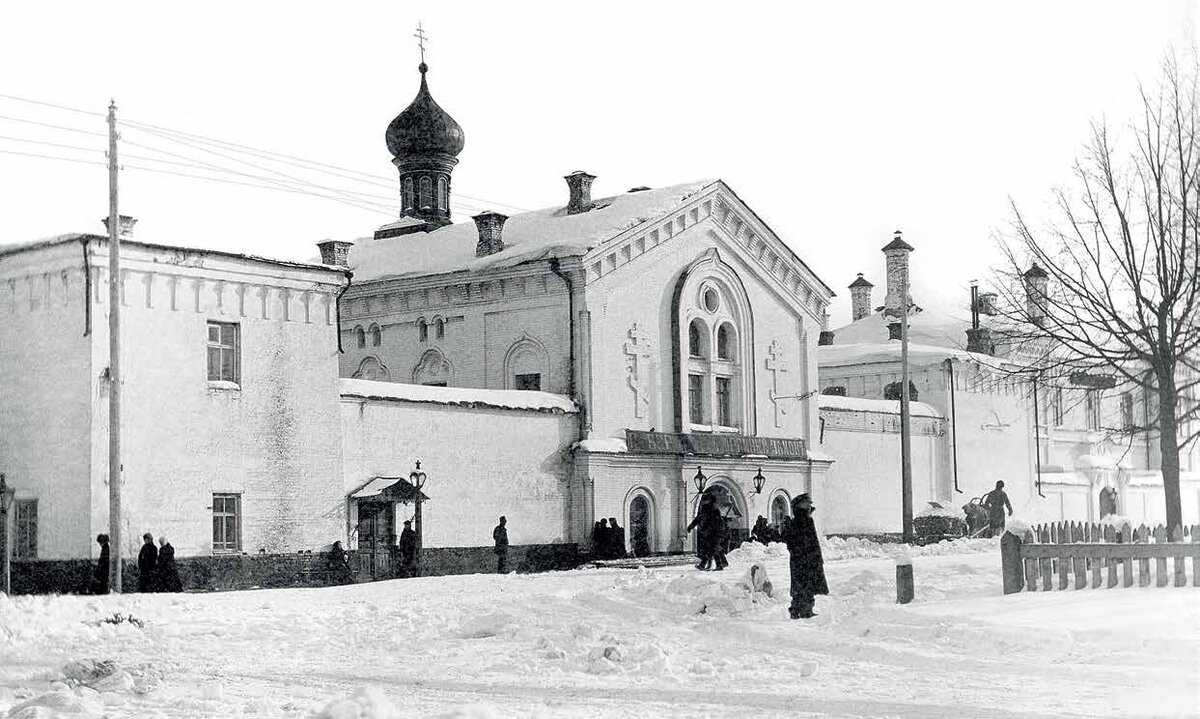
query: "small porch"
373, 512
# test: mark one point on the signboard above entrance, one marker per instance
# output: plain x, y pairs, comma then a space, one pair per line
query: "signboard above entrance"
716, 445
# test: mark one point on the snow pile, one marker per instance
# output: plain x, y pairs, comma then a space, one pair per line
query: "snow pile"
464, 396
937, 509
365, 703
883, 406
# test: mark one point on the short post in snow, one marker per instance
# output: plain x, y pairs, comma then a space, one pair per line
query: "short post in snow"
1010, 563
904, 578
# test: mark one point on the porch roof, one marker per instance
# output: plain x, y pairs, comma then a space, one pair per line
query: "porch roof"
396, 489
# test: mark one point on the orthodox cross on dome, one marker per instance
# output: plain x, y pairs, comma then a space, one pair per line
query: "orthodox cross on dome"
776, 363
638, 348
421, 38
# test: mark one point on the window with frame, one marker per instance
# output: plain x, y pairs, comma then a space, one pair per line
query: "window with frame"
725, 342
1092, 405
25, 545
439, 328
227, 522
376, 336
408, 193
223, 352
426, 193
724, 402
443, 196
696, 339
531, 381
422, 331
360, 337
696, 398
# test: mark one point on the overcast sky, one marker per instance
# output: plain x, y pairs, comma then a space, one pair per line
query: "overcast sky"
837, 122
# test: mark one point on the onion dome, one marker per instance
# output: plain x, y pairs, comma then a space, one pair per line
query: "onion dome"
424, 128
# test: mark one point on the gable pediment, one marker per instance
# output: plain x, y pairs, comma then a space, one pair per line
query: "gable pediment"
733, 226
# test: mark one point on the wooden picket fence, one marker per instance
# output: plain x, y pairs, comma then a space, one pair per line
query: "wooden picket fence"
1073, 550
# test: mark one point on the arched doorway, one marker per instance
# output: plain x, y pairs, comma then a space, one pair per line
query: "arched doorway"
732, 509
1108, 502
779, 512
641, 529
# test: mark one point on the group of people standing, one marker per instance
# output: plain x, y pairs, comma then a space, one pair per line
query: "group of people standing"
156, 566
712, 537
608, 539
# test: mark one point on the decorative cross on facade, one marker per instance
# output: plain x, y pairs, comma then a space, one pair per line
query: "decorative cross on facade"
638, 348
776, 363
421, 38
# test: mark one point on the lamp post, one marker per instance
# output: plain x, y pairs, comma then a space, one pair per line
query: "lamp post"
759, 481
700, 479
6, 499
417, 478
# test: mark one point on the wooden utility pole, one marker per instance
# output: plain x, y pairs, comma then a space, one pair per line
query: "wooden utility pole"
114, 360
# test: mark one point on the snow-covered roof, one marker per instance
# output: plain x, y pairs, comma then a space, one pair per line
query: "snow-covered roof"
885, 406
540, 234
927, 327
837, 355
462, 396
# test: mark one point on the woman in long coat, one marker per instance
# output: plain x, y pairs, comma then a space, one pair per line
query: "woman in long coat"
706, 522
807, 565
167, 573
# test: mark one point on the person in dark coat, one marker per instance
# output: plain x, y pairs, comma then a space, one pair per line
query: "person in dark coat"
995, 502
616, 539
167, 574
761, 532
601, 539
408, 550
807, 565
100, 578
705, 523
339, 564
147, 564
500, 537
720, 534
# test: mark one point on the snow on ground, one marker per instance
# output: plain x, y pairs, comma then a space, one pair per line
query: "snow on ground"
609, 642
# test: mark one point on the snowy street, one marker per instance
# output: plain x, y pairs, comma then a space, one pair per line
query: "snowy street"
663, 642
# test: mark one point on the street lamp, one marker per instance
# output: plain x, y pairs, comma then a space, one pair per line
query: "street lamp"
700, 479
759, 481
417, 478
7, 494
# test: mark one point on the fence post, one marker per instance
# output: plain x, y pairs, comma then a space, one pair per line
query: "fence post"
1160, 563
1142, 536
1010, 562
1045, 564
1127, 561
1195, 558
1180, 565
1079, 562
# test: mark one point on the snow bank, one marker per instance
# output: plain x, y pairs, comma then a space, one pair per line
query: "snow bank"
465, 396
883, 406
937, 509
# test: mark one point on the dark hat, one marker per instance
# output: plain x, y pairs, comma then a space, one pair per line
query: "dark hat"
802, 499
407, 522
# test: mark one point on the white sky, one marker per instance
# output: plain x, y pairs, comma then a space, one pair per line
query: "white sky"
837, 123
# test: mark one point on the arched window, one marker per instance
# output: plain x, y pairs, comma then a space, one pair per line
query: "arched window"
527, 364
443, 197
714, 388
725, 341
408, 194
696, 337
433, 370
360, 337
422, 331
371, 368
439, 328
426, 195
779, 511
376, 335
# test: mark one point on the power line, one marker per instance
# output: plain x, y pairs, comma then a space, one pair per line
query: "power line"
50, 104
51, 144
52, 157
56, 127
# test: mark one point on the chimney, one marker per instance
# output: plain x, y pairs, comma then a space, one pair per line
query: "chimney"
979, 339
826, 336
1036, 280
335, 252
125, 225
580, 185
490, 225
860, 298
894, 329
896, 252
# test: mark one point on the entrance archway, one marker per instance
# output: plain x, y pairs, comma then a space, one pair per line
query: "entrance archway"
779, 511
641, 526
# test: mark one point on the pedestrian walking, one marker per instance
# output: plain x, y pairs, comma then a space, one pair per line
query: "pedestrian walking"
995, 502
167, 573
100, 577
705, 523
408, 550
147, 564
806, 564
500, 537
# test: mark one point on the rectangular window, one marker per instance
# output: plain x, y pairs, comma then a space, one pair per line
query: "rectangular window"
223, 355
724, 414
1058, 408
696, 398
1092, 407
529, 381
25, 546
227, 522
1127, 410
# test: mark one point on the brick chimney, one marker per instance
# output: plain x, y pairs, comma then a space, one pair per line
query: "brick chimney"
335, 252
125, 225
979, 339
860, 298
826, 336
1036, 281
490, 225
896, 252
580, 185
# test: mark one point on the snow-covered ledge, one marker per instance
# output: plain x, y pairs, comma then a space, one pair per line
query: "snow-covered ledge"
516, 399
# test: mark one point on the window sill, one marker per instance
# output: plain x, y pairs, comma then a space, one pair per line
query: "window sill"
223, 385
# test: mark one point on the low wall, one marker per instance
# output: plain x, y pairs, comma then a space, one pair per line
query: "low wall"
252, 571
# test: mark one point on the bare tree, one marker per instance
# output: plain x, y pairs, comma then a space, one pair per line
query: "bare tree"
1113, 283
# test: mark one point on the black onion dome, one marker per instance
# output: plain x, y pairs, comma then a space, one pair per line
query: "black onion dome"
424, 128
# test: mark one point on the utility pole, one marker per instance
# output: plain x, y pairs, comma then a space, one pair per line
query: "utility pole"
114, 360
897, 266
